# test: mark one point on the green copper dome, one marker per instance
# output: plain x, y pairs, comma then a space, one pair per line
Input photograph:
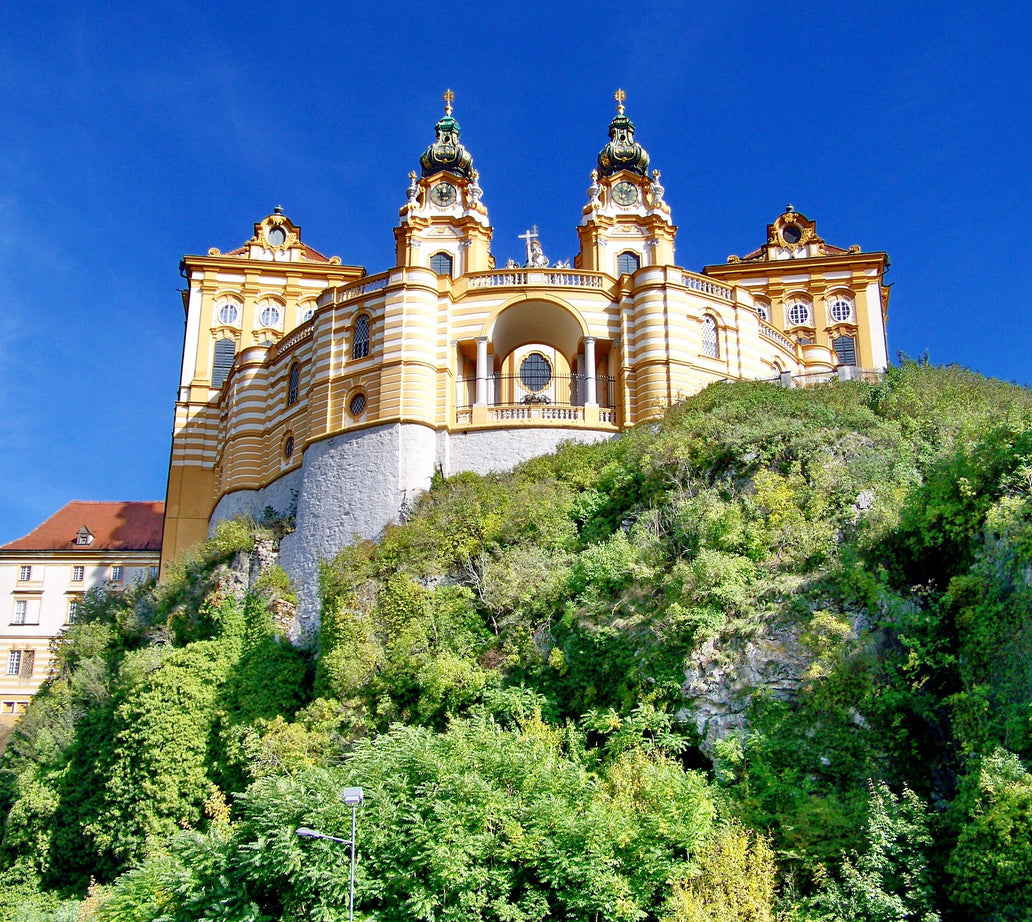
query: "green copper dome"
622, 152
446, 153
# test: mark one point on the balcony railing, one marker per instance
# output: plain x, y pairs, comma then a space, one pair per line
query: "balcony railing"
525, 277
558, 393
842, 373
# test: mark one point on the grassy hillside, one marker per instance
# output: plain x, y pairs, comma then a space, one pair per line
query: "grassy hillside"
770, 657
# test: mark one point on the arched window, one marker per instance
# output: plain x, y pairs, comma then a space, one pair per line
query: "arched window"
360, 341
845, 349
307, 311
441, 263
288, 448
225, 350
627, 263
710, 342
841, 309
763, 310
293, 385
798, 313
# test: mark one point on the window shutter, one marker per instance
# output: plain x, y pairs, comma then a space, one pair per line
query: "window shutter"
845, 349
225, 350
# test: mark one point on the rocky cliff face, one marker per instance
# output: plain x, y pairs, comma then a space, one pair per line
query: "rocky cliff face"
723, 675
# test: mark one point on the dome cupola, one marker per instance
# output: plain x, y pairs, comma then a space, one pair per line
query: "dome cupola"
622, 152
446, 153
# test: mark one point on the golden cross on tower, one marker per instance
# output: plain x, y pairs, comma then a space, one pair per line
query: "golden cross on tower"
449, 97
619, 96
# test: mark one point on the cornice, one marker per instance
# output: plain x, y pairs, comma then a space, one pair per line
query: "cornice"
793, 266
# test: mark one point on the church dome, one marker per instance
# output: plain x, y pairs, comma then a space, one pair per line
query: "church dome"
446, 153
622, 152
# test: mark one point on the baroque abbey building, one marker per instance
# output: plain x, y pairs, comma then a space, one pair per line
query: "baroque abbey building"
310, 385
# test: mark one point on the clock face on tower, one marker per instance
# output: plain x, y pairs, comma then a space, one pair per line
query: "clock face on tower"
443, 194
625, 193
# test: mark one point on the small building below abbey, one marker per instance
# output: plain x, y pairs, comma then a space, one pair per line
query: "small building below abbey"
310, 386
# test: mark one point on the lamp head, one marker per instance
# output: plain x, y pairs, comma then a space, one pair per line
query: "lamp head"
353, 797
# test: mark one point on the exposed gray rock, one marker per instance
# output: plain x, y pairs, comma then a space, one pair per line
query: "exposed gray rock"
722, 677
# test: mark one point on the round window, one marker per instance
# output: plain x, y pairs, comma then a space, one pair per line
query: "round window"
535, 372
270, 316
357, 405
798, 313
792, 233
277, 237
288, 447
841, 311
228, 314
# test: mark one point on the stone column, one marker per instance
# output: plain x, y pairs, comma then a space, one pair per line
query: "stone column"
481, 398
590, 396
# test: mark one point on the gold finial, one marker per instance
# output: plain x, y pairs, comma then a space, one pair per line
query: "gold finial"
449, 98
619, 96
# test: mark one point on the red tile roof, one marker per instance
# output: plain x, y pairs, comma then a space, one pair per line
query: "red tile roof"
115, 526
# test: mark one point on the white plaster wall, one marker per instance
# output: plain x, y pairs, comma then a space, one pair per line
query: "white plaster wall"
493, 450
352, 485
281, 495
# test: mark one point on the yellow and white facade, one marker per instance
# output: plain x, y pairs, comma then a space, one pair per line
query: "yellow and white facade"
308, 385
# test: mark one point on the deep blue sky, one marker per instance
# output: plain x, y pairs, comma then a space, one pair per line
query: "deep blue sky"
133, 133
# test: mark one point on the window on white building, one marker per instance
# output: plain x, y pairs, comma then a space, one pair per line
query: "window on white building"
845, 349
269, 316
710, 342
441, 264
228, 314
152, 572
21, 608
78, 573
225, 351
627, 263
73, 610
357, 404
360, 341
841, 310
798, 313
116, 573
24, 574
294, 384
14, 662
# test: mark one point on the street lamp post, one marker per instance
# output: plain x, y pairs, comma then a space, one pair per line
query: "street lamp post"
353, 797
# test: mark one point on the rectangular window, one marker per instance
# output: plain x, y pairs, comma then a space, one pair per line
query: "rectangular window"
24, 574
14, 662
20, 609
152, 572
77, 574
73, 611
845, 349
116, 573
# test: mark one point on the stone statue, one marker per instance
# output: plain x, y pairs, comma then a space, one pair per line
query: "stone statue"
536, 259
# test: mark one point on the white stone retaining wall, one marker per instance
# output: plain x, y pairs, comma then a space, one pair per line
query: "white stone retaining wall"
352, 485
